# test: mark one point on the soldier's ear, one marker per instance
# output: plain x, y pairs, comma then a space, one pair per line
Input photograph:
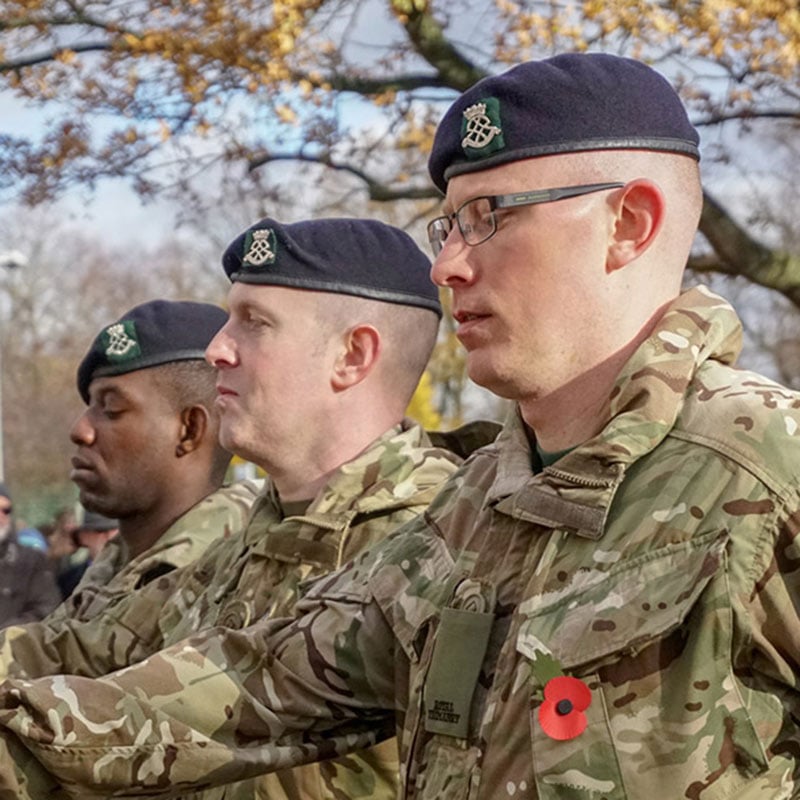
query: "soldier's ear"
361, 348
640, 210
194, 424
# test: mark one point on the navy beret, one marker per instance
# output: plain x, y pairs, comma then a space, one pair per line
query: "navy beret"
566, 104
360, 257
4, 491
154, 333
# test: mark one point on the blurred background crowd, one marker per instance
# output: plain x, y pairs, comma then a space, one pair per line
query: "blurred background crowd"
40, 566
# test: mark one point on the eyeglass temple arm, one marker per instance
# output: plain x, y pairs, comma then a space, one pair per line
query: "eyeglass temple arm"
550, 195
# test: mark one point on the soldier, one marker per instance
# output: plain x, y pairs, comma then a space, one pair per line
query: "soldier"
331, 325
147, 450
601, 604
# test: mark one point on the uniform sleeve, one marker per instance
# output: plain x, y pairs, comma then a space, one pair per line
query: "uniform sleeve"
125, 633
227, 705
219, 707
224, 705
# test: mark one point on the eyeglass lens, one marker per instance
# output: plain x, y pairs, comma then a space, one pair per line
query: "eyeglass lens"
475, 221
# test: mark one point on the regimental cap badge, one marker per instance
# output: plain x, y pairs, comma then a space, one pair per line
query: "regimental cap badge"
120, 342
481, 130
259, 248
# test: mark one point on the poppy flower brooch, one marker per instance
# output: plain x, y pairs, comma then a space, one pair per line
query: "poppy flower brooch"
564, 699
561, 713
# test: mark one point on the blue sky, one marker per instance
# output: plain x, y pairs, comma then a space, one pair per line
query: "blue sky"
112, 210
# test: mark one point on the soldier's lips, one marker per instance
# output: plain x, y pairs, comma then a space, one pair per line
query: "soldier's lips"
81, 470
470, 325
224, 395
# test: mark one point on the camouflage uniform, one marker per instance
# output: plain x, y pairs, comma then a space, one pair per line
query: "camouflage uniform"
113, 574
255, 574
657, 566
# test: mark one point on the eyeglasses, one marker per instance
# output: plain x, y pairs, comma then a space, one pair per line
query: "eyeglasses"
6, 509
476, 218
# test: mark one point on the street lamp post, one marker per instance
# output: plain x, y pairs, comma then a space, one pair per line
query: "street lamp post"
10, 259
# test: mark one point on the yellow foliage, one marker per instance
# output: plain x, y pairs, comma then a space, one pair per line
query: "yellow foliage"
196, 89
256, 46
151, 42
285, 43
385, 98
593, 8
286, 114
131, 40
422, 408
66, 56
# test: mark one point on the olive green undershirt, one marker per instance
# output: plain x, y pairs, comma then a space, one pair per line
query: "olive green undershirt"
295, 508
542, 458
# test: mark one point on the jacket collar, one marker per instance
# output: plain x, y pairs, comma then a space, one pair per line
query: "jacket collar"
400, 469
576, 492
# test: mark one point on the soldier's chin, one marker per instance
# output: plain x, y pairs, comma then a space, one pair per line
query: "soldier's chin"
483, 374
95, 503
228, 438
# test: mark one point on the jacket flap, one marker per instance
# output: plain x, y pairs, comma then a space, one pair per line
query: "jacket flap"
303, 543
638, 600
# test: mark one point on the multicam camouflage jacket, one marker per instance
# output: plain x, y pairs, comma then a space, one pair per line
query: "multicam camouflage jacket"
113, 574
254, 574
622, 624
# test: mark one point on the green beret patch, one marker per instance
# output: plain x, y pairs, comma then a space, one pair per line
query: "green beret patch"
259, 248
120, 342
481, 131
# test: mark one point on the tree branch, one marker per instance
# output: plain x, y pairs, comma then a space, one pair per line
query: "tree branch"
748, 114
379, 192
427, 36
738, 253
55, 21
371, 86
51, 55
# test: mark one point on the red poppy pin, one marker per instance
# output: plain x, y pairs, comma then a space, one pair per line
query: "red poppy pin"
561, 714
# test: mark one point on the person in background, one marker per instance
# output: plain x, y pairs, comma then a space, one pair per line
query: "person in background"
28, 536
147, 452
332, 323
58, 533
28, 590
90, 536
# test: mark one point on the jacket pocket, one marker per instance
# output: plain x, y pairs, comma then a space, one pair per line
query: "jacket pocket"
652, 640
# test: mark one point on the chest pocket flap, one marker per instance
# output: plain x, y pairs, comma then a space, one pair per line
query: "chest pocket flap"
311, 539
637, 601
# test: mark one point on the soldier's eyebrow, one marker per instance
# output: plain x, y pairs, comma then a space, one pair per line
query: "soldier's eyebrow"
247, 307
112, 392
449, 205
